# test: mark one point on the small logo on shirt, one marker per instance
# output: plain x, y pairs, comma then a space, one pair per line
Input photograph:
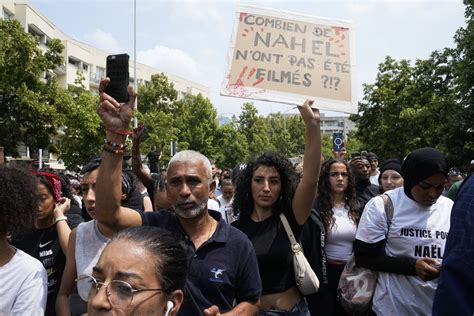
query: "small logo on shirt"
217, 275
45, 253
45, 244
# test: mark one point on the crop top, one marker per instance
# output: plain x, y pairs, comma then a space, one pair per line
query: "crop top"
274, 254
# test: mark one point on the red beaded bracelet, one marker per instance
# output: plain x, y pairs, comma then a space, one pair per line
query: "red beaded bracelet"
124, 132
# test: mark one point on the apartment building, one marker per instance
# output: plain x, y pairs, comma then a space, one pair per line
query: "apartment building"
336, 124
81, 57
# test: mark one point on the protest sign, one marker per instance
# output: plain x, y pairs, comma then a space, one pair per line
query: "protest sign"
287, 57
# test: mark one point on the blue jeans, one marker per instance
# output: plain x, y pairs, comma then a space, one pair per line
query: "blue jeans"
299, 309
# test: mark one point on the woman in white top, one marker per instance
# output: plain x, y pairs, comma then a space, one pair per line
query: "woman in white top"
337, 205
407, 250
23, 279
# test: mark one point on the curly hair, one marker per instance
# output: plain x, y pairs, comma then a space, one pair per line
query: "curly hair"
325, 198
243, 200
18, 200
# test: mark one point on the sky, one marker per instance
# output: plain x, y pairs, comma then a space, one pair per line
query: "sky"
191, 38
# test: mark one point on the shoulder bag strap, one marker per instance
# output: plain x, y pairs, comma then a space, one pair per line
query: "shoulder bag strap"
289, 232
388, 206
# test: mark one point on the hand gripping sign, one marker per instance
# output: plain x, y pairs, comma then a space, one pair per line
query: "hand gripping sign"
286, 57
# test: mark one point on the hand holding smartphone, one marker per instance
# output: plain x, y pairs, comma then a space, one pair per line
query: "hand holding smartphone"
117, 71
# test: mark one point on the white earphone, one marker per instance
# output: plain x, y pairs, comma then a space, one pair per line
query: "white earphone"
169, 307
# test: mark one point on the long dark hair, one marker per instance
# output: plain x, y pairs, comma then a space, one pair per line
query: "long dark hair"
243, 200
325, 197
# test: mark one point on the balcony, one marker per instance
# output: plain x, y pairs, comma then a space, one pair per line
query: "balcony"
60, 70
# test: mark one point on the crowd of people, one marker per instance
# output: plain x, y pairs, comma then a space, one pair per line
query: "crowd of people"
196, 240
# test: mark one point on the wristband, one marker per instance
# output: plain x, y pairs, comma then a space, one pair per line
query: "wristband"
60, 218
124, 132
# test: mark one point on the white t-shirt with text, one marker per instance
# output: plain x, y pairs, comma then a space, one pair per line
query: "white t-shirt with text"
415, 232
23, 286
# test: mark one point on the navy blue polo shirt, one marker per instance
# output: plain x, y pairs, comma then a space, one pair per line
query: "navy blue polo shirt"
223, 271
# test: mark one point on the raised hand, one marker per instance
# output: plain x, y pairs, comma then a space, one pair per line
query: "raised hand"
311, 117
114, 115
137, 132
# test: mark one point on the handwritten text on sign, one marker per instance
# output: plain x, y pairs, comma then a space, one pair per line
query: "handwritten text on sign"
290, 56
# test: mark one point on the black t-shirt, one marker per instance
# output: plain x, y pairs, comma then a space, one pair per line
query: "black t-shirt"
43, 244
273, 249
364, 192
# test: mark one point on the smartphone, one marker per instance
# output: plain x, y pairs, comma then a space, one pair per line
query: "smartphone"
117, 71
337, 142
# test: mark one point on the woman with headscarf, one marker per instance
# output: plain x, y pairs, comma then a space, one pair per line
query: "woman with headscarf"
408, 248
390, 176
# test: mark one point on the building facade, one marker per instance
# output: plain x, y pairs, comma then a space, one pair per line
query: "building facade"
83, 58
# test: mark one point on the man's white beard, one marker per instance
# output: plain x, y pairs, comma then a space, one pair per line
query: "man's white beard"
192, 213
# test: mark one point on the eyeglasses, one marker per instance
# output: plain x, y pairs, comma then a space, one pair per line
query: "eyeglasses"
119, 293
337, 174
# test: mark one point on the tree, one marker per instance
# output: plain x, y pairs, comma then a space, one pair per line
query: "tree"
280, 138
157, 109
296, 130
326, 146
231, 145
408, 107
255, 129
83, 134
158, 94
27, 102
463, 137
197, 122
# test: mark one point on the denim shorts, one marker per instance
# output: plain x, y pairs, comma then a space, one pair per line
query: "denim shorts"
299, 309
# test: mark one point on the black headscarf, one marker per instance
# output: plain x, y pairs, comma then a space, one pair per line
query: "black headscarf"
421, 164
390, 164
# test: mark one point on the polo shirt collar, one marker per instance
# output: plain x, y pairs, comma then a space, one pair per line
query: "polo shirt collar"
222, 230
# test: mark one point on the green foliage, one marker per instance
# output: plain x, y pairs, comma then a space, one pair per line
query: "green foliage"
255, 129
428, 103
198, 124
353, 144
326, 146
463, 135
27, 111
231, 146
83, 134
296, 130
157, 95
408, 107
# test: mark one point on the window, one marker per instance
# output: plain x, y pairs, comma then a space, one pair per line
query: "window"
99, 72
36, 32
73, 61
7, 15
